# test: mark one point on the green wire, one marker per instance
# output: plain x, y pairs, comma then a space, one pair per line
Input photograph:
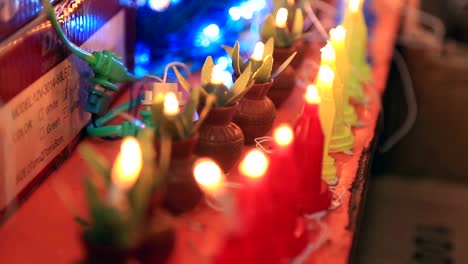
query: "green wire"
104, 131
115, 112
84, 55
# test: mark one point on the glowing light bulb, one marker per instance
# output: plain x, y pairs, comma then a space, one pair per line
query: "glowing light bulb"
159, 5
258, 51
354, 5
254, 165
338, 33
209, 176
211, 31
217, 75
328, 54
312, 96
281, 17
127, 166
325, 77
283, 135
235, 13
171, 104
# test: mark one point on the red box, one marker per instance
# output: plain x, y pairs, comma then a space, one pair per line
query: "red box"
44, 89
14, 14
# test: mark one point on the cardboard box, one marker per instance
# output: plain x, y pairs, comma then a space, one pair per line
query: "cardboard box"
44, 90
414, 221
14, 14
436, 145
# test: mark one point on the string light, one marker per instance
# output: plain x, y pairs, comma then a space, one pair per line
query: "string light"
312, 96
354, 5
328, 54
209, 176
254, 165
283, 135
171, 104
127, 166
258, 51
281, 17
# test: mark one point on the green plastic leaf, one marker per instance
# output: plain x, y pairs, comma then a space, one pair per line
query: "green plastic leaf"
298, 24
236, 58
191, 108
244, 66
157, 112
228, 50
140, 193
96, 162
263, 74
92, 198
284, 38
241, 82
81, 221
209, 102
207, 70
183, 82
268, 29
269, 47
283, 66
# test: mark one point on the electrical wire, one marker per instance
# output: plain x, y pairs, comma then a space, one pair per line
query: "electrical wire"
410, 100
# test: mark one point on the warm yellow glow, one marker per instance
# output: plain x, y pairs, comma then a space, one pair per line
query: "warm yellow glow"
127, 166
258, 51
354, 5
338, 34
281, 17
312, 96
328, 54
291, 2
217, 75
209, 176
325, 77
171, 104
283, 135
254, 165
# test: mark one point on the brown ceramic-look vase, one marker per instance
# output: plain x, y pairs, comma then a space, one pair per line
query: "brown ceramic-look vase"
256, 112
182, 191
97, 253
221, 139
160, 241
155, 248
302, 48
283, 84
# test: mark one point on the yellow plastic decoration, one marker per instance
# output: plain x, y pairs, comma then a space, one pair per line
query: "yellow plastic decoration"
327, 112
337, 39
356, 45
342, 137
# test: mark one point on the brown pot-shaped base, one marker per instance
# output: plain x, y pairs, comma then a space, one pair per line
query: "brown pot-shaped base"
283, 85
156, 247
159, 244
256, 112
221, 139
98, 253
302, 48
182, 191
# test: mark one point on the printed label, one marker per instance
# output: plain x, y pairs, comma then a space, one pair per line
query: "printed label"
43, 119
